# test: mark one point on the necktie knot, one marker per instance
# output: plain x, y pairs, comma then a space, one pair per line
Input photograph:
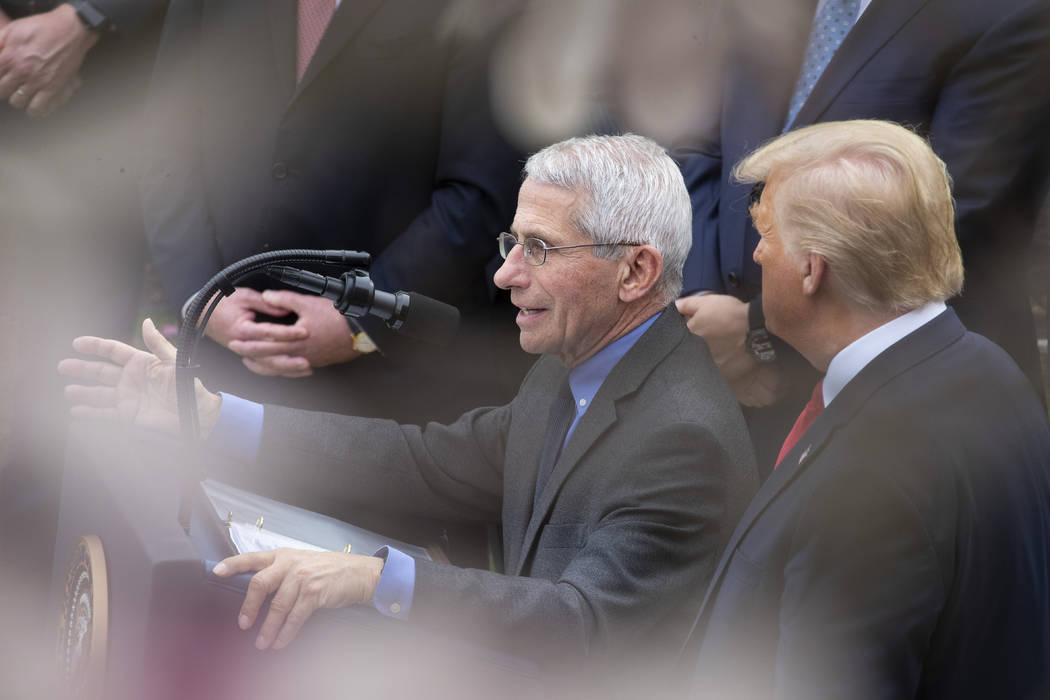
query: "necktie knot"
831, 24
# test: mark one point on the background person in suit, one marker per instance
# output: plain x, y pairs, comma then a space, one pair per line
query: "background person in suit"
968, 75
314, 124
901, 548
610, 532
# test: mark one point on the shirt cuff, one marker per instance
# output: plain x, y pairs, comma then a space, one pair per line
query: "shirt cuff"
238, 432
397, 583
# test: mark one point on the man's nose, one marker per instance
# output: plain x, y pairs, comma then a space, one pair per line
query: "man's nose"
514, 272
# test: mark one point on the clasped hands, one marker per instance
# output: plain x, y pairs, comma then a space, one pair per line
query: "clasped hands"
319, 337
40, 59
127, 385
721, 320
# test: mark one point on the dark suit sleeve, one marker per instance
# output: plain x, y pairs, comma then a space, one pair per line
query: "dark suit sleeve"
702, 170
178, 226
653, 546
446, 246
333, 463
862, 593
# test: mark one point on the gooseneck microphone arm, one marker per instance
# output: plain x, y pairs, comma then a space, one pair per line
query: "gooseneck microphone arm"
192, 327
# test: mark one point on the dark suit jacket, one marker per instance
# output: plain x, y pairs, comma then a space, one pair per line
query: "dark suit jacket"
968, 74
902, 548
624, 535
386, 146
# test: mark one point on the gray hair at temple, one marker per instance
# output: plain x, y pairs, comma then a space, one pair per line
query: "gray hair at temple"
630, 190
872, 199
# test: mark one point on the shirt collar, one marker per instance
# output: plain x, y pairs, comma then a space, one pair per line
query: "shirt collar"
848, 363
587, 378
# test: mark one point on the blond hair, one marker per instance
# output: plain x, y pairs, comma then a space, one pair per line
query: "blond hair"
874, 201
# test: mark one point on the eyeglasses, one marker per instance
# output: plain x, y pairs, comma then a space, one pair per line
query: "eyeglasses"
535, 251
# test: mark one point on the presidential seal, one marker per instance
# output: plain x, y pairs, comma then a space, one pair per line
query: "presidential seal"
85, 616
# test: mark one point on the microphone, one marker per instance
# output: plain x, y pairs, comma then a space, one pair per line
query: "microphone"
354, 295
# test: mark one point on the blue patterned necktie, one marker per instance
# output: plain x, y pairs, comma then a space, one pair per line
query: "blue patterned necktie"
830, 26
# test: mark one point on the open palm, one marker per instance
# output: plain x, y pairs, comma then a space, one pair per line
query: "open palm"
130, 385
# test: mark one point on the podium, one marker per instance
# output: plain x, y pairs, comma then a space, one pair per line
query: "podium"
142, 616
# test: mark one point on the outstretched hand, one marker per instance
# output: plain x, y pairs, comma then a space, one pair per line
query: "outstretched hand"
132, 386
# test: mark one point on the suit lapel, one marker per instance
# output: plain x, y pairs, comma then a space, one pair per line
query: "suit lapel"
349, 18
876, 26
903, 355
624, 379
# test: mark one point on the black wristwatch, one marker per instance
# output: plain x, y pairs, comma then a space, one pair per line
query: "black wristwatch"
759, 342
90, 16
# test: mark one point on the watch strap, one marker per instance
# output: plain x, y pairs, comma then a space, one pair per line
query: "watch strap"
759, 341
90, 16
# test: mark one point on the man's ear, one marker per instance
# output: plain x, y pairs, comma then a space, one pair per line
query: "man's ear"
814, 273
639, 272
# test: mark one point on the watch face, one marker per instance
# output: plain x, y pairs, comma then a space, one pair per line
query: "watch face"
85, 617
760, 345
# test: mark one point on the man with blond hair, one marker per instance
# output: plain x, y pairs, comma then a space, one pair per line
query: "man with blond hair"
901, 546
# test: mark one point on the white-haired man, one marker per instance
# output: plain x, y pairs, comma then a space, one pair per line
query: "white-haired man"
901, 547
617, 472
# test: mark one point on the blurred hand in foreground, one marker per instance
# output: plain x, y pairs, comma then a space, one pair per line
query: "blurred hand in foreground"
133, 386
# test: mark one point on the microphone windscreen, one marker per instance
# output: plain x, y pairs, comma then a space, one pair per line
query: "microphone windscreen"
430, 320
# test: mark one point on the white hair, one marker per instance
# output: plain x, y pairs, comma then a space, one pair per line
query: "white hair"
631, 191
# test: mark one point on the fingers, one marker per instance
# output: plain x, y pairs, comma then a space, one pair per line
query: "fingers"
95, 396
261, 585
279, 366
90, 371
40, 104
45, 101
289, 610
265, 348
93, 413
156, 342
112, 350
273, 332
283, 299
259, 301
242, 563
687, 306
19, 98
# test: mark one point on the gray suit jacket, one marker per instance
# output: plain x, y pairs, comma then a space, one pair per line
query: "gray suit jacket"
623, 538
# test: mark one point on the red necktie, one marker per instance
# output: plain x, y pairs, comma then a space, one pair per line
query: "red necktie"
805, 419
314, 16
